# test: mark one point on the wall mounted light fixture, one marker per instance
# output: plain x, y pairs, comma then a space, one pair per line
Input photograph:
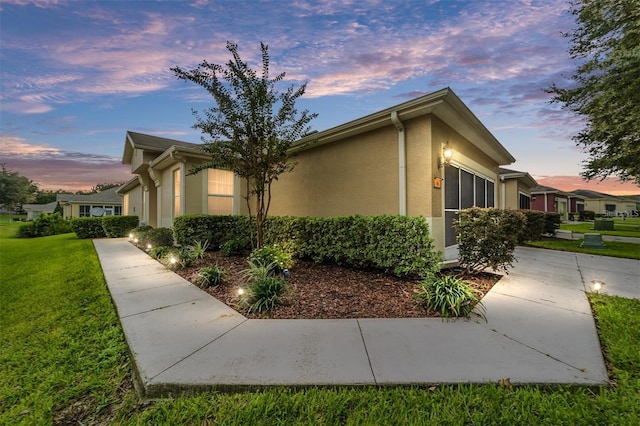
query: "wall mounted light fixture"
447, 155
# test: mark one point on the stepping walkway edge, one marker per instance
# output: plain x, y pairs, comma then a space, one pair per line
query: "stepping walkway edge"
539, 330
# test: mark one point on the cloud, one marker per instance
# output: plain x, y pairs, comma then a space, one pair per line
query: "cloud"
51, 167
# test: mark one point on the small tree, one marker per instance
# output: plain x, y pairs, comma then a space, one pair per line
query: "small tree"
15, 189
487, 238
252, 127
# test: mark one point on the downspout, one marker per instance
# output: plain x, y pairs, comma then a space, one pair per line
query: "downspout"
545, 202
402, 165
503, 193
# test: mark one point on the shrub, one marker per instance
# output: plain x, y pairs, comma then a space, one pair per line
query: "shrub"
157, 237
449, 295
210, 276
159, 252
534, 226
217, 229
235, 247
586, 215
119, 226
487, 238
44, 226
27, 230
139, 231
264, 294
198, 249
88, 227
272, 254
552, 223
177, 258
258, 270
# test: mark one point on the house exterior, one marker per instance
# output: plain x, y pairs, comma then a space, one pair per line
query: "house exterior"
105, 203
605, 204
35, 210
163, 188
515, 189
550, 200
429, 157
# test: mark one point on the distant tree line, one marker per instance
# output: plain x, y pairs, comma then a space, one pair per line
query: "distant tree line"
16, 190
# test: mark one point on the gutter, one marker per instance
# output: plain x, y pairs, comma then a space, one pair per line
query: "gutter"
402, 164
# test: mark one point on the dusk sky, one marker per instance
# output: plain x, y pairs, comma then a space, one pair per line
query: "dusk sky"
76, 75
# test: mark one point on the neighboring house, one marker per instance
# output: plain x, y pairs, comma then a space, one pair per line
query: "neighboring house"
430, 157
515, 189
552, 200
35, 210
605, 204
105, 203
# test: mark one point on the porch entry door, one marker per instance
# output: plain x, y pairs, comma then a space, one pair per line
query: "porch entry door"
463, 189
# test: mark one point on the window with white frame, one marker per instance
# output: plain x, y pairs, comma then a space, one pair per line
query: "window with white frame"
177, 193
219, 192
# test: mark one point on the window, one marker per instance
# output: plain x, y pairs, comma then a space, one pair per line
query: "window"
219, 191
85, 210
464, 189
610, 209
525, 202
176, 193
117, 210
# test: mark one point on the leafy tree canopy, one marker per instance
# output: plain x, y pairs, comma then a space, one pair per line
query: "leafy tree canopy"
15, 189
605, 86
252, 126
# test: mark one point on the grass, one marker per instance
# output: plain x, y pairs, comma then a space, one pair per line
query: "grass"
63, 359
614, 248
623, 228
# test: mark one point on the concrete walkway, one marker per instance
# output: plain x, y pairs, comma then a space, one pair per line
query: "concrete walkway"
539, 330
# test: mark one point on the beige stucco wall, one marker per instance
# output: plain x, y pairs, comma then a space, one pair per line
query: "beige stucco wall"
512, 194
358, 175
598, 205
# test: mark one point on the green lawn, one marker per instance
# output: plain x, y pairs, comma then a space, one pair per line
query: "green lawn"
63, 359
624, 228
614, 248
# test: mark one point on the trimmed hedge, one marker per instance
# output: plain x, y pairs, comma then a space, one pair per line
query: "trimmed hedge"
212, 228
534, 227
44, 226
552, 223
397, 244
119, 226
88, 227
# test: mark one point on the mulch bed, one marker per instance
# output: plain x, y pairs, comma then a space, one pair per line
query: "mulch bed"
330, 291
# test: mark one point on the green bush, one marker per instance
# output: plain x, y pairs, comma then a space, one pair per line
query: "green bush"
177, 258
139, 231
586, 215
487, 238
257, 270
198, 249
156, 237
119, 226
396, 244
552, 223
213, 228
159, 252
236, 247
534, 226
27, 230
44, 226
210, 276
272, 254
449, 295
264, 294
88, 227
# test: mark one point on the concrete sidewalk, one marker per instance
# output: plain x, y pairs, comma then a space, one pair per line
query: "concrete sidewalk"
539, 330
